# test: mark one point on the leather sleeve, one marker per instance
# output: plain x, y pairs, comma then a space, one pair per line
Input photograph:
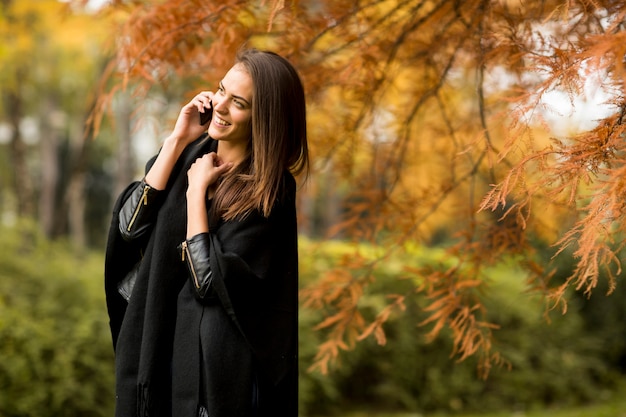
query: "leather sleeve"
195, 253
139, 211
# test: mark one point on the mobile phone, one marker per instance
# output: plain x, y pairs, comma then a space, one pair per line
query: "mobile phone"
207, 115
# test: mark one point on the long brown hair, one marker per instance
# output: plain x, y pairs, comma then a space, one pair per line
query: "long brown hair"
278, 141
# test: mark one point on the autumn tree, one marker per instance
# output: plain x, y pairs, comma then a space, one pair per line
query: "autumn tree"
433, 117
50, 60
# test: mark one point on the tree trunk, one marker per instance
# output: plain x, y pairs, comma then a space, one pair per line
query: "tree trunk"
74, 198
22, 182
76, 208
125, 155
49, 147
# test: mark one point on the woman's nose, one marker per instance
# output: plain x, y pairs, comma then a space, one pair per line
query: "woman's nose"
219, 105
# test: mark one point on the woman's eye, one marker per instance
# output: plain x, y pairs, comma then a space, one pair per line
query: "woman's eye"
239, 104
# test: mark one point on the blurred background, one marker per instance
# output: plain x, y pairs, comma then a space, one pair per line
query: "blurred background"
72, 136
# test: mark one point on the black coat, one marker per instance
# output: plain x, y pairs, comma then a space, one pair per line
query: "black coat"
234, 352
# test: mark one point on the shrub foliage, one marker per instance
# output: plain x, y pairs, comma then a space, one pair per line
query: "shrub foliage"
552, 359
56, 357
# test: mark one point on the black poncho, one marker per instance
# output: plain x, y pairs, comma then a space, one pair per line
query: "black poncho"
236, 352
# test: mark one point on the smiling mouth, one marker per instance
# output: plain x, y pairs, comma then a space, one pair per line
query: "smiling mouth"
221, 122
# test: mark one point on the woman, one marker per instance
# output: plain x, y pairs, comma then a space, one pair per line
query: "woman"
205, 324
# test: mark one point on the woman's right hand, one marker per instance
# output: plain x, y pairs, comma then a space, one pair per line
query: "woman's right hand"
188, 127
186, 130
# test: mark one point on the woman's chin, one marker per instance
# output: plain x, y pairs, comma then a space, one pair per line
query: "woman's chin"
215, 133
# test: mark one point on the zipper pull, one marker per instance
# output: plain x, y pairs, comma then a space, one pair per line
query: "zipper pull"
144, 196
144, 199
185, 250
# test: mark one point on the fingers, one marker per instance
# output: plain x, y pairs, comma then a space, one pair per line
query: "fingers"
211, 159
205, 163
187, 128
202, 101
208, 168
223, 168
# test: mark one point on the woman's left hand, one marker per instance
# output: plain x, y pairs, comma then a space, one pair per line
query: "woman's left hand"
205, 172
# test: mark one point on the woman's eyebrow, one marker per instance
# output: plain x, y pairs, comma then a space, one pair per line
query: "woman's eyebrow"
237, 97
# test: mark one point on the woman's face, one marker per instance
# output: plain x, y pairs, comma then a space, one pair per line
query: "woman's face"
232, 107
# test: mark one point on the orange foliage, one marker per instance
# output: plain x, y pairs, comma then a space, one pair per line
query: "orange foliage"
408, 113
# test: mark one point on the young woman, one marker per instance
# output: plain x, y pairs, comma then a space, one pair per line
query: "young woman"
201, 271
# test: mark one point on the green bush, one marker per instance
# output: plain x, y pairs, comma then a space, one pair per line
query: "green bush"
56, 357
556, 363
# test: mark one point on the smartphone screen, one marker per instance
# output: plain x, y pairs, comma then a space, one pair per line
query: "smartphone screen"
206, 116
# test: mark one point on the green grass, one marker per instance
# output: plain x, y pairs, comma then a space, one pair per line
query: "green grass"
616, 408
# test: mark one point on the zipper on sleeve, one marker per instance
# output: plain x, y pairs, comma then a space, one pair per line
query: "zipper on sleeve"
185, 251
142, 201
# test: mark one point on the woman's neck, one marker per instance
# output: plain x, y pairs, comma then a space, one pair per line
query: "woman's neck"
229, 153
